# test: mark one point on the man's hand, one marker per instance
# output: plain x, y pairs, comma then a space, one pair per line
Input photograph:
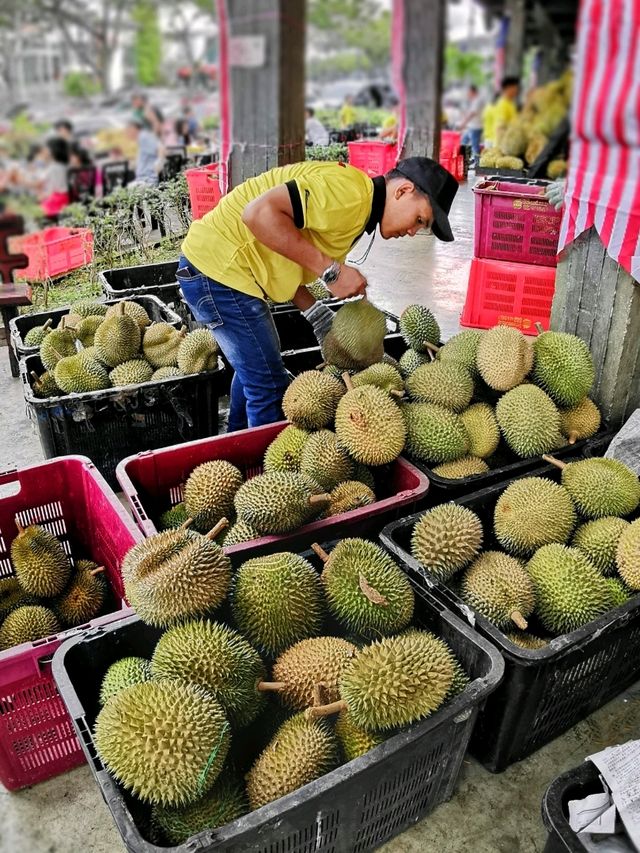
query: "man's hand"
350, 282
555, 193
321, 317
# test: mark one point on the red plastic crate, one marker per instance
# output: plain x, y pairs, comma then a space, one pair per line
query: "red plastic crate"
373, 156
153, 482
515, 222
454, 164
53, 252
204, 189
517, 295
450, 142
71, 499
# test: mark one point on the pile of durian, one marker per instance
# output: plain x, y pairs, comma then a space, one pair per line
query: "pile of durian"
48, 593
526, 137
265, 678
562, 554
97, 346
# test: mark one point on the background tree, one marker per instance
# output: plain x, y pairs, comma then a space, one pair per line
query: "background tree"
148, 43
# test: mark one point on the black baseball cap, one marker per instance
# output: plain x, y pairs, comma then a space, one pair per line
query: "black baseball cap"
436, 183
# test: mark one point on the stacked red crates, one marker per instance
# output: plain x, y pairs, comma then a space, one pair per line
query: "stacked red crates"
451, 156
512, 277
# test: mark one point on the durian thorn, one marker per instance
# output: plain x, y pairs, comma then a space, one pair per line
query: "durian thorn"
97, 571
519, 620
430, 347
217, 530
371, 593
553, 461
326, 710
319, 694
539, 328
320, 552
346, 378
19, 525
322, 365
319, 499
270, 686
48, 323
186, 524
396, 393
572, 437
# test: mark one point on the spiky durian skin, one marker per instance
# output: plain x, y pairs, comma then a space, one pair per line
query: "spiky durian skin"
311, 400
581, 421
173, 518
12, 595
122, 674
484, 433
397, 680
301, 750
117, 339
318, 660
133, 372
209, 492
599, 540
570, 591
601, 487
80, 373
40, 562
504, 357
26, 624
325, 460
217, 659
462, 349
87, 327
496, 585
563, 367
628, 555
35, 336
434, 434
384, 376
198, 351
165, 741
349, 495
355, 565
418, 327
131, 309
529, 421
447, 385
467, 466
370, 426
354, 740
526, 640
166, 373
240, 532
277, 600
359, 329
57, 345
618, 591
225, 802
446, 539
532, 512
82, 599
88, 308
160, 345
276, 502
411, 360
283, 454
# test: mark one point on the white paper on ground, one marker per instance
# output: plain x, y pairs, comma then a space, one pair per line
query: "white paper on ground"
620, 767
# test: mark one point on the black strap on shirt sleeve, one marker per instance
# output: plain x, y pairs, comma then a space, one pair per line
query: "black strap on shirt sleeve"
296, 203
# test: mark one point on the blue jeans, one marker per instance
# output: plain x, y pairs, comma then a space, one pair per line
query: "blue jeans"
246, 334
472, 137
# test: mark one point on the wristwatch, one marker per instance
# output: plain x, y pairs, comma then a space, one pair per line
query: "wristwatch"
330, 274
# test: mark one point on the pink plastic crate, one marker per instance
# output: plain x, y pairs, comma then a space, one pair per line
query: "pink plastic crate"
153, 482
517, 295
53, 252
515, 222
453, 164
71, 499
204, 189
450, 142
373, 156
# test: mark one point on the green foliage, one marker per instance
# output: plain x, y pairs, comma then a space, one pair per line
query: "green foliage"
334, 14
210, 122
338, 65
148, 44
463, 67
22, 134
364, 115
79, 84
335, 151
357, 24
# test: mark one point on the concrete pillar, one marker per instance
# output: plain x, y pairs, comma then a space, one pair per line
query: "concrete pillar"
516, 10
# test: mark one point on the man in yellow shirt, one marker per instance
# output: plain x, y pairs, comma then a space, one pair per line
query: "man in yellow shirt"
347, 113
505, 110
281, 230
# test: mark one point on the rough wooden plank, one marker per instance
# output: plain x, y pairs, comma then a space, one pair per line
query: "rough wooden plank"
603, 316
590, 290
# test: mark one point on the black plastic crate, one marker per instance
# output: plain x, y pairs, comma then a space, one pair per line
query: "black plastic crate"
146, 279
155, 308
574, 785
544, 691
109, 425
355, 808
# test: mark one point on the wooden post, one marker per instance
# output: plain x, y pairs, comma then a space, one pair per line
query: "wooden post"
598, 300
423, 52
516, 10
267, 85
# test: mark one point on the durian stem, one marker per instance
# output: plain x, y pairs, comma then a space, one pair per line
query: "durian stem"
322, 365
120, 309
19, 526
271, 686
431, 347
48, 323
553, 461
217, 530
326, 710
370, 592
56, 353
519, 620
186, 524
573, 435
539, 328
63, 323
319, 694
395, 393
320, 552
346, 378
35, 377
319, 499
97, 571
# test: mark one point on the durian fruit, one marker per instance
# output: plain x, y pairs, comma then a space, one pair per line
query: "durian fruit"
176, 574
532, 512
209, 492
160, 344
569, 590
628, 555
86, 329
581, 421
88, 308
370, 425
557, 169
83, 598
498, 587
504, 357
197, 352
316, 661
278, 502
563, 367
26, 624
514, 140
239, 532
419, 327
516, 163
57, 344
118, 338
529, 421
277, 600
527, 641
12, 596
70, 321
37, 334
599, 541
484, 433
462, 349
382, 375
301, 750
173, 518
324, 460
489, 158
225, 802
535, 146
354, 740
217, 659
122, 674
394, 681
131, 372
45, 384
467, 466
40, 562
434, 434
618, 591
447, 385
80, 373
600, 487
367, 592
132, 309
351, 494
359, 329
363, 475
166, 373
337, 357
410, 360
165, 741
318, 290
446, 539
311, 400
284, 452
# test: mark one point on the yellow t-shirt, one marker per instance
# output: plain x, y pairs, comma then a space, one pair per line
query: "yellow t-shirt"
347, 115
489, 122
390, 121
505, 111
335, 205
